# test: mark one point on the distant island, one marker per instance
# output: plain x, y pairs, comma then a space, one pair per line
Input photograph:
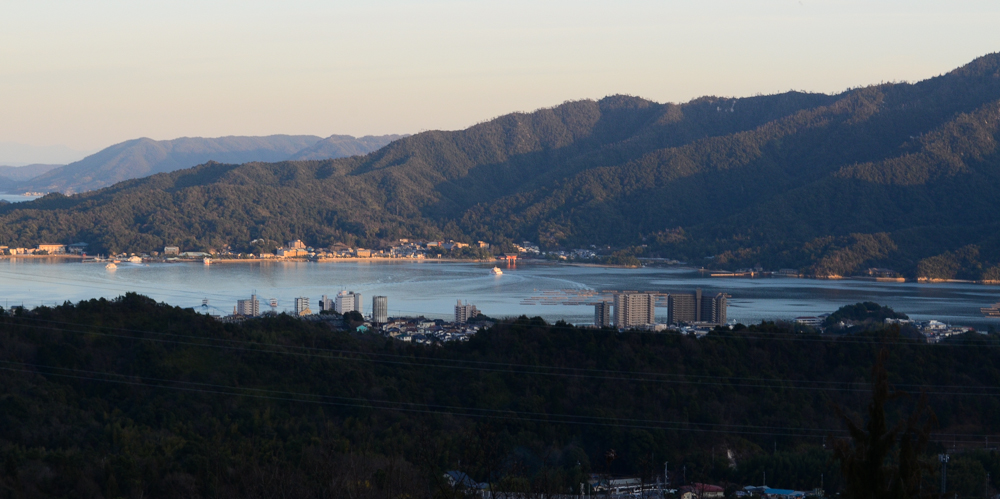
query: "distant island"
891, 180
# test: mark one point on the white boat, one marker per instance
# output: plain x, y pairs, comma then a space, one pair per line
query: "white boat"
207, 260
111, 266
497, 271
135, 259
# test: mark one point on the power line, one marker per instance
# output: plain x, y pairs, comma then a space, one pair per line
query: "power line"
608, 375
358, 402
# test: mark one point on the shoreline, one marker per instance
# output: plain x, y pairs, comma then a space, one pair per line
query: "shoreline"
61, 256
502, 264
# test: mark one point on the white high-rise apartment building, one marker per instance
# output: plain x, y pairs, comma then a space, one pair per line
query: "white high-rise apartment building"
634, 309
465, 312
348, 301
249, 307
302, 306
325, 304
380, 309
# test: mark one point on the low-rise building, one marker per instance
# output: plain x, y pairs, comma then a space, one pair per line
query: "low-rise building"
77, 248
51, 248
701, 491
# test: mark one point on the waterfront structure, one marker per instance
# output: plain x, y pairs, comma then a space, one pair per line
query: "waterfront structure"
302, 306
325, 304
465, 312
171, 250
380, 309
296, 244
602, 314
634, 309
249, 307
291, 252
77, 248
348, 301
695, 308
52, 249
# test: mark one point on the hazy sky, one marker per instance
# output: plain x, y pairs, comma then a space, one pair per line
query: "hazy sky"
89, 74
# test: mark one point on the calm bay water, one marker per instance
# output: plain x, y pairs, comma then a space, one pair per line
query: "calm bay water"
432, 288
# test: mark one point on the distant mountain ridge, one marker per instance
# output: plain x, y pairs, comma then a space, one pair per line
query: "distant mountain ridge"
12, 176
342, 146
896, 175
142, 157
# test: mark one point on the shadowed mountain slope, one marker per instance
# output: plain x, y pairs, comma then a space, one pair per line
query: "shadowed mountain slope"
887, 175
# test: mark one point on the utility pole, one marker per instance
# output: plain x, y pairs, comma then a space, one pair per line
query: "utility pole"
944, 472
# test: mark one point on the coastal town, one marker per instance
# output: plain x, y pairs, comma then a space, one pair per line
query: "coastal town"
694, 313
689, 313
660, 486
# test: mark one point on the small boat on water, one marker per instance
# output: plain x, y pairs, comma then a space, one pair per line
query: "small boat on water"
207, 260
111, 266
496, 271
135, 259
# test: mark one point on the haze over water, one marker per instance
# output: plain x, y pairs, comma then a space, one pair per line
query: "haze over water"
431, 288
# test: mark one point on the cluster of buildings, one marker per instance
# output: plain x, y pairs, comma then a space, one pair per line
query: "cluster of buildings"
638, 310
46, 249
428, 331
934, 331
342, 303
622, 487
416, 330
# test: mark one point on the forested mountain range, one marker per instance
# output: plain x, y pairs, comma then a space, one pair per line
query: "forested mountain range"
11, 176
342, 146
899, 175
130, 398
143, 157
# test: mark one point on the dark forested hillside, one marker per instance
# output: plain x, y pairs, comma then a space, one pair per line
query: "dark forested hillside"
899, 175
129, 398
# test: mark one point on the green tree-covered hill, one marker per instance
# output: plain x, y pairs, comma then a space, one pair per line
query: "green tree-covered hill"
130, 398
899, 175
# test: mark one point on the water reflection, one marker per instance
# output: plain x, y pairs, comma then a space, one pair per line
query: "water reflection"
431, 288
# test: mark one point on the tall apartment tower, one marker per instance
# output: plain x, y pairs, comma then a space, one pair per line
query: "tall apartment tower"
683, 307
693, 307
249, 307
302, 306
634, 309
465, 312
602, 314
380, 309
713, 309
325, 304
348, 301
